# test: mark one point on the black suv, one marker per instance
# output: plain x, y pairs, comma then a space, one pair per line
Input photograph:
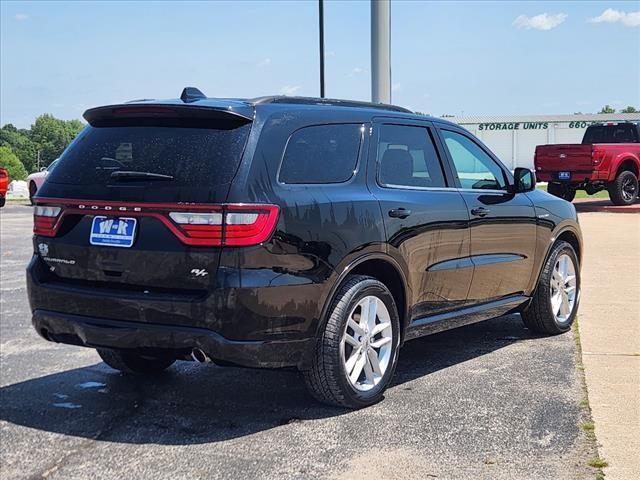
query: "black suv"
289, 232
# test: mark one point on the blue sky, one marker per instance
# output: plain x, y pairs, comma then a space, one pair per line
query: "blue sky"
447, 57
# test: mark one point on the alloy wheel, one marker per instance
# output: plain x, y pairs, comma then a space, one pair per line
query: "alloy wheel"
564, 288
367, 342
628, 189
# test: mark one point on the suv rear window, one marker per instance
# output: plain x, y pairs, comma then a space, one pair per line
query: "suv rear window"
196, 158
321, 154
621, 133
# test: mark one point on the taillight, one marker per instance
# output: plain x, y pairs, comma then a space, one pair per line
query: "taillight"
206, 225
237, 225
45, 219
597, 156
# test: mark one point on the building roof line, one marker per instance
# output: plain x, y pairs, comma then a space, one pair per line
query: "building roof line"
595, 117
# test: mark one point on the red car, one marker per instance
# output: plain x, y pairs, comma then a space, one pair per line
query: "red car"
608, 158
4, 185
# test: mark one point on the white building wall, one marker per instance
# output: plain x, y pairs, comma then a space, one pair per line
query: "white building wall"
514, 138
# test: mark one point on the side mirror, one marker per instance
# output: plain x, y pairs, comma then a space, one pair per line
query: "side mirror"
525, 180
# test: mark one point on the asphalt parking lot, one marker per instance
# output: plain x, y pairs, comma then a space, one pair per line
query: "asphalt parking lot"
489, 400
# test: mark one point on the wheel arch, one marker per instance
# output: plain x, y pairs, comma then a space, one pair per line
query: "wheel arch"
568, 233
572, 239
384, 268
628, 164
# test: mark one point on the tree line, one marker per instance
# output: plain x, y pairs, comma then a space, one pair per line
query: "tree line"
25, 150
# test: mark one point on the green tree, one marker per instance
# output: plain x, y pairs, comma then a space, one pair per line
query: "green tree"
607, 109
21, 145
629, 109
12, 163
52, 135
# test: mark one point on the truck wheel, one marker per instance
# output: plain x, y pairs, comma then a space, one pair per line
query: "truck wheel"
2, 201
357, 350
555, 302
624, 189
561, 191
134, 363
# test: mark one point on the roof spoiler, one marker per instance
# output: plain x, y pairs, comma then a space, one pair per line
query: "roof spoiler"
148, 111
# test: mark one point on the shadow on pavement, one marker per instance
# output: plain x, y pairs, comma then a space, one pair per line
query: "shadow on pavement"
191, 403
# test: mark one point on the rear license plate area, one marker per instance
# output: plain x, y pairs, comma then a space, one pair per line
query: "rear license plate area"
113, 231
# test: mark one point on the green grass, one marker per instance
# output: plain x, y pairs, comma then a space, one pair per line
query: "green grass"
597, 462
582, 194
589, 430
588, 426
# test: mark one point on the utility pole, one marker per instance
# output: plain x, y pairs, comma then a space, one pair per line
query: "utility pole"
380, 51
321, 31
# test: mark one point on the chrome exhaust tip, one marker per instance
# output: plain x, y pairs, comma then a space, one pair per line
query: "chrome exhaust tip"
199, 356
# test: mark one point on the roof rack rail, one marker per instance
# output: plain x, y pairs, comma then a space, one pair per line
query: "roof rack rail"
326, 101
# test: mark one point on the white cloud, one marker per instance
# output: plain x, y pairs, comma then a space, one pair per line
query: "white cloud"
329, 53
544, 21
290, 90
630, 19
396, 87
21, 17
265, 62
356, 71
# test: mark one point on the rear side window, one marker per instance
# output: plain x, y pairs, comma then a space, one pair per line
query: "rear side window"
407, 158
622, 133
321, 154
193, 158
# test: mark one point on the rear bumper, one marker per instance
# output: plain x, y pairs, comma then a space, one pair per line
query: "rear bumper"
577, 177
97, 332
229, 324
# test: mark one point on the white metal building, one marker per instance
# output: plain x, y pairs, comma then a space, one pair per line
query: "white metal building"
514, 138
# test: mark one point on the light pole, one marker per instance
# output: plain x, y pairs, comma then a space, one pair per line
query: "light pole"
380, 52
321, 32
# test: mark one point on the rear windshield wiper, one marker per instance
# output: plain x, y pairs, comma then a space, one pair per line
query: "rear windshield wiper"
125, 175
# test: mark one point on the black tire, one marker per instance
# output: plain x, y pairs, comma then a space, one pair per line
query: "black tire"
327, 380
539, 315
624, 189
2, 201
32, 191
561, 191
134, 363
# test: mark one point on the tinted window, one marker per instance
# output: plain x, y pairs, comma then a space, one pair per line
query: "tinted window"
408, 158
321, 154
198, 159
622, 133
475, 168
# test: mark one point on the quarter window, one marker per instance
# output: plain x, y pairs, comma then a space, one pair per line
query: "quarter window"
321, 154
407, 158
475, 168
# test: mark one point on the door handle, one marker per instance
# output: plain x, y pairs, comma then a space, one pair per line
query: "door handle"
480, 212
399, 213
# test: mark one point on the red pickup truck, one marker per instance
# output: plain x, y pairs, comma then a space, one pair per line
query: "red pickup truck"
608, 158
4, 185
